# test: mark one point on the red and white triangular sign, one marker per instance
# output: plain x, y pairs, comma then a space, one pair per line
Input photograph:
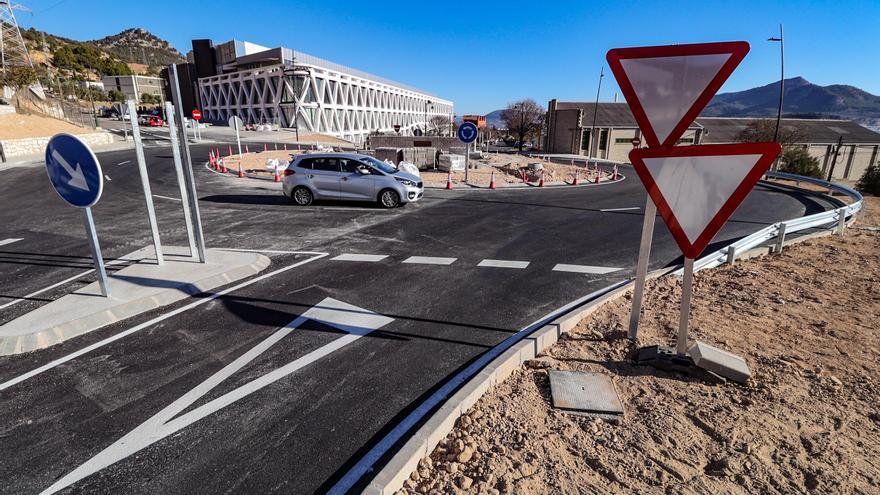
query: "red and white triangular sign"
697, 188
667, 87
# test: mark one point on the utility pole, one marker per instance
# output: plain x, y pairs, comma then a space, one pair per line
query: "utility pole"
834, 160
781, 41
595, 111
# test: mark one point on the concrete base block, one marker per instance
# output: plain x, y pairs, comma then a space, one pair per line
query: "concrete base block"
720, 362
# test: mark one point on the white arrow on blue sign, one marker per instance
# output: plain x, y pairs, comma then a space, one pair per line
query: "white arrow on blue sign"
467, 132
74, 170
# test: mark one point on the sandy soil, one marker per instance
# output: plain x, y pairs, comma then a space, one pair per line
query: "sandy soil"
255, 162
18, 126
507, 169
807, 422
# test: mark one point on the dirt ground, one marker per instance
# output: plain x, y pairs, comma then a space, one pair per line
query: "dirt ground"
808, 421
17, 126
507, 172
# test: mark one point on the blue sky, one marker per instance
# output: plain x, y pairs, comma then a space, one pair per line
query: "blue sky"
484, 54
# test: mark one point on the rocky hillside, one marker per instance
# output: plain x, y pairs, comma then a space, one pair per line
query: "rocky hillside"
139, 46
801, 98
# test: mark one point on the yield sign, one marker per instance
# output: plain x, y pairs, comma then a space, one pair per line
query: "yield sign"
697, 188
667, 87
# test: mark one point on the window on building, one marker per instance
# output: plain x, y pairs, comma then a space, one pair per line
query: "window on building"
623, 140
585, 140
603, 139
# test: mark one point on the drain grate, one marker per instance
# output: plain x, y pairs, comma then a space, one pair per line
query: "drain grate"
588, 393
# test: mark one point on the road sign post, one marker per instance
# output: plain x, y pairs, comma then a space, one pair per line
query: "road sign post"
145, 181
75, 173
190, 180
181, 182
467, 133
236, 123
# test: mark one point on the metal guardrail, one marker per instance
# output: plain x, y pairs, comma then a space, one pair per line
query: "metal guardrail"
831, 220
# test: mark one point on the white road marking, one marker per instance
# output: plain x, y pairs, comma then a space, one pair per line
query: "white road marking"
429, 260
355, 321
595, 270
166, 197
147, 324
6, 242
503, 264
107, 177
623, 209
360, 257
123, 163
59, 284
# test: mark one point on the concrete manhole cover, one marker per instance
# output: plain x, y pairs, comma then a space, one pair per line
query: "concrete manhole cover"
585, 393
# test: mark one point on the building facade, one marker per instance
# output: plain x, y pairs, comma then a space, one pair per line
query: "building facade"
569, 125
296, 90
135, 86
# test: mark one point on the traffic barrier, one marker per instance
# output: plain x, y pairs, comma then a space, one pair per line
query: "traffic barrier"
449, 180
492, 181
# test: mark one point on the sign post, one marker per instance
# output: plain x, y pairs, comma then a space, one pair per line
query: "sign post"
75, 173
145, 180
197, 117
181, 181
236, 122
467, 134
694, 188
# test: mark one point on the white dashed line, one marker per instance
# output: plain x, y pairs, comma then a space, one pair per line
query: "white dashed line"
595, 270
370, 258
429, 260
107, 177
622, 209
5, 242
503, 264
166, 197
123, 163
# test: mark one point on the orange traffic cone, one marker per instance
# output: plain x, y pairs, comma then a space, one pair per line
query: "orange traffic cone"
223, 166
277, 177
449, 180
525, 177
276, 146
240, 171
265, 147
230, 150
616, 177
285, 146
597, 174
247, 149
576, 174
492, 181
541, 182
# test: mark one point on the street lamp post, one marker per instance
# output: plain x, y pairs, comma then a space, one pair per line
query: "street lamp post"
595, 111
781, 41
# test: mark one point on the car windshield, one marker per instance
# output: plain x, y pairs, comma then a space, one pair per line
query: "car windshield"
388, 169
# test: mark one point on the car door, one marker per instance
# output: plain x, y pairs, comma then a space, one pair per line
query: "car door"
353, 184
325, 177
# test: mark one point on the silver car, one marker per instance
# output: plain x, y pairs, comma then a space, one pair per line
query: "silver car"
350, 177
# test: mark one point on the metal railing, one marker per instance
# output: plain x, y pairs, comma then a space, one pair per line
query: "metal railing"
828, 220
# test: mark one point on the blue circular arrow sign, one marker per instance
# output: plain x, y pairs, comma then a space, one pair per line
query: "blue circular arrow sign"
74, 170
467, 132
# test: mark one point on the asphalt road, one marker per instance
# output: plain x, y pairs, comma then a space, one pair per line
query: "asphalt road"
244, 393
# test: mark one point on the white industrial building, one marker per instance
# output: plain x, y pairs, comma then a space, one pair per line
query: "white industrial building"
271, 85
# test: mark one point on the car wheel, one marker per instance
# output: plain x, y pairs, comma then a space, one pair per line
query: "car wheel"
302, 196
389, 198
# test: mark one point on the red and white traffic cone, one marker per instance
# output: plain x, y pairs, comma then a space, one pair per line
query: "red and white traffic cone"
597, 173
525, 177
277, 177
247, 149
230, 150
276, 146
492, 181
285, 146
449, 180
616, 176
576, 174
265, 147
541, 181
223, 166
240, 171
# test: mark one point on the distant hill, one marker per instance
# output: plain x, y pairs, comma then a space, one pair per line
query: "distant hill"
801, 98
139, 46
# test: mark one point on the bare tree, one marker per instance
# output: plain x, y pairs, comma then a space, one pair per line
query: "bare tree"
761, 131
440, 125
523, 119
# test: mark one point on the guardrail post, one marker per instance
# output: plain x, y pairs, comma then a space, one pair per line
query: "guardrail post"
780, 237
731, 254
841, 220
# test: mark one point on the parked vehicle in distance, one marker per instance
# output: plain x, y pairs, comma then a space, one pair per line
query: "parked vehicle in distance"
348, 177
155, 122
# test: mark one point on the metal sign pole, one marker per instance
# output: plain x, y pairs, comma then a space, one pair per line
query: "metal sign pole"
687, 286
190, 180
145, 181
467, 161
238, 140
181, 182
642, 267
96, 252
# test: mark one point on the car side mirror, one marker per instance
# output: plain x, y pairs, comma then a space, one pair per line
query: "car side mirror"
363, 170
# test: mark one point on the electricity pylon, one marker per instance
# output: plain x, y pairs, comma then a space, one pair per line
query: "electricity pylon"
13, 52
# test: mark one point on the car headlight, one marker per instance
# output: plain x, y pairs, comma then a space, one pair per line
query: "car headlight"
406, 182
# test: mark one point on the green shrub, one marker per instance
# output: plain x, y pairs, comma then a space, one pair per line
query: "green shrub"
870, 181
798, 161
